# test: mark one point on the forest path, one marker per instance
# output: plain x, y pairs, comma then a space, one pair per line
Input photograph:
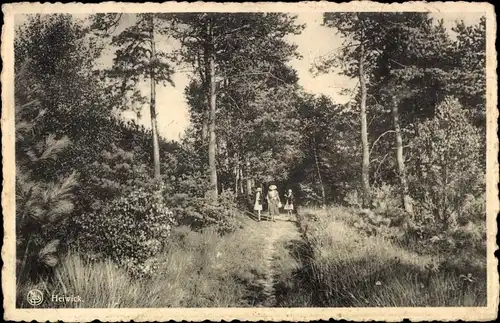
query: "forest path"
276, 259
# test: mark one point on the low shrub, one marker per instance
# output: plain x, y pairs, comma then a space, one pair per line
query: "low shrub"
353, 199
196, 208
423, 232
353, 269
465, 230
373, 224
386, 218
309, 194
131, 230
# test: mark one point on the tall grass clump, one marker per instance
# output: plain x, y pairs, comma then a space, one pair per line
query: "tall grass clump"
351, 269
198, 269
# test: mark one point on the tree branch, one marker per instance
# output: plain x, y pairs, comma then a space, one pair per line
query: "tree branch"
231, 31
379, 137
114, 24
378, 168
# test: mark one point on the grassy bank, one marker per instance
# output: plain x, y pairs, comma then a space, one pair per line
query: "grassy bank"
349, 269
327, 264
198, 270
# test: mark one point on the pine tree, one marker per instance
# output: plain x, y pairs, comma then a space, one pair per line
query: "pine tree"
226, 49
449, 146
42, 204
137, 59
359, 30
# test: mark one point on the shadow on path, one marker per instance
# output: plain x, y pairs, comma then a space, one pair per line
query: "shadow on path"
293, 286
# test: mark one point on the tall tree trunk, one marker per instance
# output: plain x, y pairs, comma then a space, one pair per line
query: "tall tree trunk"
236, 174
400, 159
249, 179
212, 142
206, 81
320, 179
242, 191
251, 184
365, 170
152, 107
204, 127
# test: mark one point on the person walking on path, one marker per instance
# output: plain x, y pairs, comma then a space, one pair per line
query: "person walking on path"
289, 200
258, 202
273, 201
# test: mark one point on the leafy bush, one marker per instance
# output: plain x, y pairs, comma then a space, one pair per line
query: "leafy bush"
115, 172
463, 239
309, 194
448, 166
193, 207
222, 212
206, 212
131, 230
370, 223
384, 198
353, 199
449, 188
386, 218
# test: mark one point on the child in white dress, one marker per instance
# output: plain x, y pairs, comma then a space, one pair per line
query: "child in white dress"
258, 202
289, 201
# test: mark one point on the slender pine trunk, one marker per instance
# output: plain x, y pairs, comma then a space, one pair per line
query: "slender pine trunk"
206, 85
400, 157
365, 169
152, 107
212, 140
236, 174
242, 191
320, 179
249, 182
204, 128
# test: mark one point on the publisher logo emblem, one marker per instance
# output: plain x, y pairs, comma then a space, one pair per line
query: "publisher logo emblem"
35, 297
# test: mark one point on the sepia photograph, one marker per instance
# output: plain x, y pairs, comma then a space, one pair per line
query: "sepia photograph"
252, 161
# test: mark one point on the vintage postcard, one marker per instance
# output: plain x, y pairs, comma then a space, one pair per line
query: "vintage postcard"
250, 161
